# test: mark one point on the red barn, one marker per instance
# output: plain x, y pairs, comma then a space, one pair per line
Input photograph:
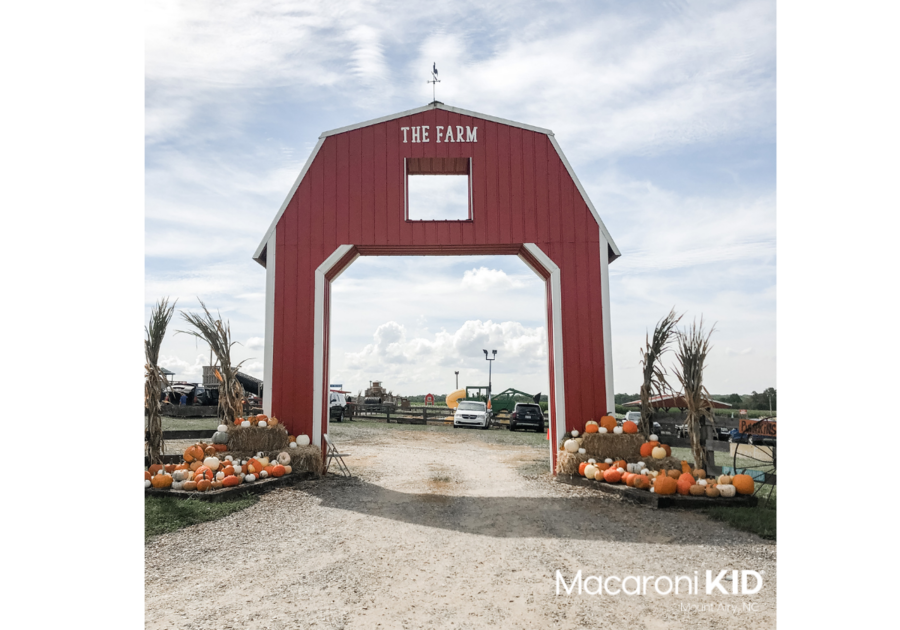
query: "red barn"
351, 199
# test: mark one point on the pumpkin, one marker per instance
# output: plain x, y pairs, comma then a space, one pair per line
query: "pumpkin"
250, 478
262, 424
228, 470
667, 449
581, 468
634, 468
183, 466
263, 475
161, 481
617, 430
220, 437
612, 475
658, 452
147, 475
220, 448
575, 433
302, 440
262, 416
699, 473
288, 470
620, 463
179, 475
222, 427
215, 485
603, 430
646, 449
685, 467
582, 451
220, 476
192, 453
653, 437
641, 482
685, 481
665, 485
608, 460
674, 474
246, 424
743, 484
190, 486
196, 464
210, 451
726, 490
283, 458
203, 473
277, 470
591, 427
292, 438
629, 427
230, 480
697, 490
628, 478
147, 483
254, 466
176, 485
712, 492
571, 446
212, 463
724, 479
203, 485
169, 468
272, 421
268, 469
702, 482
155, 468
608, 422
292, 445
590, 471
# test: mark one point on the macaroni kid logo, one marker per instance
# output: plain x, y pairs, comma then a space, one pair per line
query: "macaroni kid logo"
662, 585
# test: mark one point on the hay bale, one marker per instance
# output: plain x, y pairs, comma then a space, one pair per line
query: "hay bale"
567, 463
658, 464
617, 446
256, 439
303, 458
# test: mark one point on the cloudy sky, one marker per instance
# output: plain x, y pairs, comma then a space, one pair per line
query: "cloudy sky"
665, 110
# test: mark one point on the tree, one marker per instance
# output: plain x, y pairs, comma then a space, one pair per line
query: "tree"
155, 381
653, 372
693, 349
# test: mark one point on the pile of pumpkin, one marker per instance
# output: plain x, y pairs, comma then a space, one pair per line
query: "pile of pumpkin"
202, 470
608, 424
260, 421
684, 481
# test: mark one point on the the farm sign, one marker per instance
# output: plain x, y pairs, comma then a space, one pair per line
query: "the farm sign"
757, 427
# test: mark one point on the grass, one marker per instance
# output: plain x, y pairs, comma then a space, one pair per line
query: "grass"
360, 429
759, 520
163, 515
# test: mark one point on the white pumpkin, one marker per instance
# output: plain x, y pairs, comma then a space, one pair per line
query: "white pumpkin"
582, 451
262, 424
229, 458
618, 430
654, 437
641, 465
212, 462
644, 472
263, 474
652, 489
571, 446
590, 422
633, 468
292, 445
621, 470
302, 440
147, 483
592, 461
179, 475
658, 452
250, 477
220, 476
590, 471
603, 430
177, 485
259, 455
245, 424
701, 482
264, 461
574, 433
726, 490
287, 470
222, 427
283, 458
608, 460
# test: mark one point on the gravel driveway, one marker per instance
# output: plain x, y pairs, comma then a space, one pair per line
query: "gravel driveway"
443, 529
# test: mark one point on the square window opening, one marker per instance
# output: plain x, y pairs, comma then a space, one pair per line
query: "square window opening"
438, 189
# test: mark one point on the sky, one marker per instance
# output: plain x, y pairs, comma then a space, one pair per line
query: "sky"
665, 110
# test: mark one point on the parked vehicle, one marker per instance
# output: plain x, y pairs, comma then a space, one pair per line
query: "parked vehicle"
337, 406
634, 416
527, 415
472, 413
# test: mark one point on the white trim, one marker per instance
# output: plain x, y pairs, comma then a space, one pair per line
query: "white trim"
607, 325
262, 244
270, 326
587, 199
319, 340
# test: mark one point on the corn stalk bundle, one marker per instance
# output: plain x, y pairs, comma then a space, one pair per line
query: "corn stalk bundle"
653, 372
218, 336
693, 348
155, 382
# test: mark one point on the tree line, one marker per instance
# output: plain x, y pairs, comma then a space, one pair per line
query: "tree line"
753, 400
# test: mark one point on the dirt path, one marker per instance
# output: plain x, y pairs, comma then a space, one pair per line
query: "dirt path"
442, 530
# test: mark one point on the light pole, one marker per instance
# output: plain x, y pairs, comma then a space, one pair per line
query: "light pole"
489, 369
457, 378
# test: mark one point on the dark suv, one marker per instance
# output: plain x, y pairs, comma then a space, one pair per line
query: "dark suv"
527, 415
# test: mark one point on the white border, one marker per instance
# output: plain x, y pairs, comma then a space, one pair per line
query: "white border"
607, 325
270, 325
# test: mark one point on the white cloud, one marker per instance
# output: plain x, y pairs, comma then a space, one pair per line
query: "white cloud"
255, 343
484, 279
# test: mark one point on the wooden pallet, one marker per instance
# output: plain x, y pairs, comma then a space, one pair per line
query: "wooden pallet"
656, 501
225, 494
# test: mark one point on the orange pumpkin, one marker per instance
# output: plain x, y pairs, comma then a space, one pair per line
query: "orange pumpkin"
665, 485
268, 469
210, 451
292, 438
628, 478
278, 470
620, 464
182, 467
612, 475
641, 482
668, 449
685, 481
581, 468
238, 421
685, 467
147, 475
190, 486
215, 485
230, 480
674, 474
254, 467
169, 468
155, 468
196, 464
203, 473
193, 453
228, 470
591, 428
204, 485
602, 467
220, 448
161, 481
743, 484
699, 473
646, 449
608, 423
697, 490
262, 416
629, 427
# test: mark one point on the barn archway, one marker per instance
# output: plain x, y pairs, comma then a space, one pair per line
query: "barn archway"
352, 199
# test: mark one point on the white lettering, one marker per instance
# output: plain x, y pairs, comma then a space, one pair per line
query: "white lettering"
646, 579
404, 130
637, 585
756, 576
449, 136
459, 134
415, 131
596, 578
471, 134
678, 581
711, 583
425, 133
750, 607
560, 578
656, 584
734, 582
606, 585
439, 127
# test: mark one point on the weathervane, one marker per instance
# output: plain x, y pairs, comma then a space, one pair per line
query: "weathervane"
434, 79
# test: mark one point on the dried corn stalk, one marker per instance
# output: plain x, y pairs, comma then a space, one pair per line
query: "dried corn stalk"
652, 369
693, 348
155, 382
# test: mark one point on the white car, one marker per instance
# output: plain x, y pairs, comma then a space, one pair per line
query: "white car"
471, 413
634, 416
